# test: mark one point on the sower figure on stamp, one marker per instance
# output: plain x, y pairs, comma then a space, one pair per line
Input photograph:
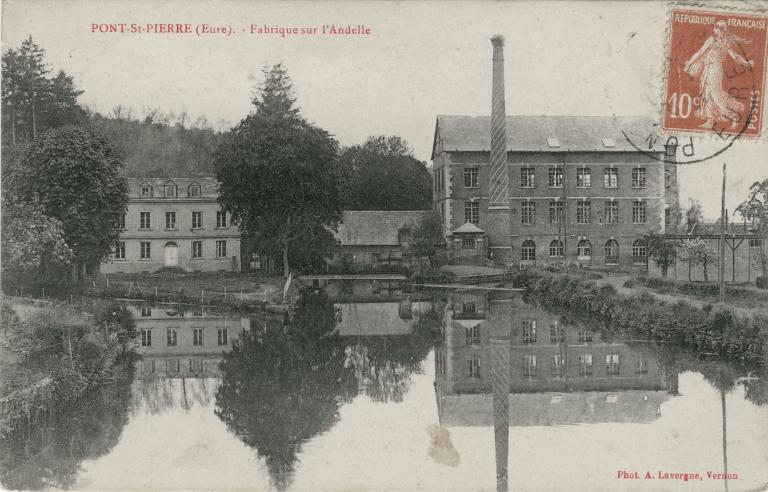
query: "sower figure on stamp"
707, 65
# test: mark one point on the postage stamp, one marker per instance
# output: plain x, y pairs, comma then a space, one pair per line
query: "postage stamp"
715, 73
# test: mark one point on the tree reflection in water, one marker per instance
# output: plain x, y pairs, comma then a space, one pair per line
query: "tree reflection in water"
383, 366
48, 452
279, 389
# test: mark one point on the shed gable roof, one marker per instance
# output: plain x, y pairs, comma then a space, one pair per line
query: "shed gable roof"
376, 227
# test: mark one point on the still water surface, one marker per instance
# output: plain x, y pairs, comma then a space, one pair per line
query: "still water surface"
395, 397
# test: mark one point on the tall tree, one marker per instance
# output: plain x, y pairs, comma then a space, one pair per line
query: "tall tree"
33, 101
755, 209
276, 176
383, 174
76, 177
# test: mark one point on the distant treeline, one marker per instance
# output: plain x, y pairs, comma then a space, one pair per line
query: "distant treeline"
153, 146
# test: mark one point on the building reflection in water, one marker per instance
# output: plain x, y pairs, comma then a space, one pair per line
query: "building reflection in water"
180, 354
552, 373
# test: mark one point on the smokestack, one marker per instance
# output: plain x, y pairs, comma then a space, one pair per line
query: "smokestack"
499, 185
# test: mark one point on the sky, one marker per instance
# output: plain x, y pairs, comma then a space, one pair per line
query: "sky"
421, 59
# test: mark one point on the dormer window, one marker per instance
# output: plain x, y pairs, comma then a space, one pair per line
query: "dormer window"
170, 191
553, 142
146, 191
194, 191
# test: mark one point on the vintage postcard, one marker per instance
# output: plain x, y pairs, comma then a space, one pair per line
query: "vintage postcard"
384, 246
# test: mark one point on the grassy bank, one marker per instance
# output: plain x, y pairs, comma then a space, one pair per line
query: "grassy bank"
716, 332
229, 290
54, 355
745, 297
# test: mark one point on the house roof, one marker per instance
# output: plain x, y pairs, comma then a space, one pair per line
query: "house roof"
468, 228
376, 227
209, 186
545, 133
554, 408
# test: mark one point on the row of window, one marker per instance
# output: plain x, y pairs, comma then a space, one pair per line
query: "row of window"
610, 214
145, 220
172, 366
558, 369
584, 250
196, 250
170, 190
529, 335
172, 337
555, 177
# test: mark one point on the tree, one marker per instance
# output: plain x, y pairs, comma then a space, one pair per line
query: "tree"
428, 240
662, 251
693, 215
33, 102
383, 174
32, 242
276, 173
755, 209
697, 252
76, 177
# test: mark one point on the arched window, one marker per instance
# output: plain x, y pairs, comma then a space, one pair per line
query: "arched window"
528, 251
612, 252
638, 251
584, 249
556, 249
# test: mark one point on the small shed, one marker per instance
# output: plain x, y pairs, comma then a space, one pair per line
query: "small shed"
469, 240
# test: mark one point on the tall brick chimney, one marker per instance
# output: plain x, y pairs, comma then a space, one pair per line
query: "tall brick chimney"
498, 222
499, 185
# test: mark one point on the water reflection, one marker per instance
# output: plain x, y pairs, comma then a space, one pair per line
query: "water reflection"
505, 363
49, 452
349, 388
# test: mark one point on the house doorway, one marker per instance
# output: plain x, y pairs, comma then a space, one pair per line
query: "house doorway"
171, 254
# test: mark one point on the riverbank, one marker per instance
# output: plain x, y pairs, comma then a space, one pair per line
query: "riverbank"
709, 331
241, 291
53, 354
746, 296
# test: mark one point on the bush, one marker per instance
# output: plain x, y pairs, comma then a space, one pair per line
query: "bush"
716, 331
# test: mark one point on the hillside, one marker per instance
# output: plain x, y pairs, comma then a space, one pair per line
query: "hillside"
159, 149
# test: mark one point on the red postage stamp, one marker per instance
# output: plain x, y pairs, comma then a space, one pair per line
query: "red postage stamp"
715, 72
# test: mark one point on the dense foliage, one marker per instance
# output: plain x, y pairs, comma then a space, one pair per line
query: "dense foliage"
383, 174
276, 174
160, 145
33, 244
75, 176
717, 332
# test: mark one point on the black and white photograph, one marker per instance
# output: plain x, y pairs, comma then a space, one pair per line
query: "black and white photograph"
384, 246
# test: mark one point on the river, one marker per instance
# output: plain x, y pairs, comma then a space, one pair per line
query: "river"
393, 396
